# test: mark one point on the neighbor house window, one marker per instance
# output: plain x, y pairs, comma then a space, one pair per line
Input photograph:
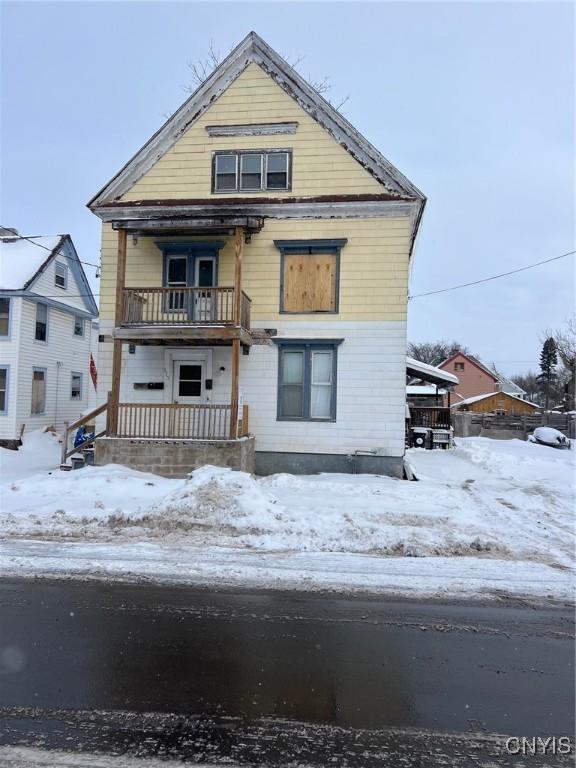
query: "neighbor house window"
78, 326
41, 330
4, 317
60, 275
251, 171
38, 391
458, 366
75, 386
4, 389
309, 275
307, 381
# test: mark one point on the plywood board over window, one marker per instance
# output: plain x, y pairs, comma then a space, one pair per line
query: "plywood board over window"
309, 276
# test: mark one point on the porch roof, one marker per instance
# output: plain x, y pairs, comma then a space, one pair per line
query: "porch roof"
430, 373
163, 222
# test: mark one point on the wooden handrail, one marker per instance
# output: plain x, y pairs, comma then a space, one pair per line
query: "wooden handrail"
70, 428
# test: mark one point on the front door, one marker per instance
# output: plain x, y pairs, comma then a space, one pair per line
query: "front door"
205, 277
189, 377
189, 381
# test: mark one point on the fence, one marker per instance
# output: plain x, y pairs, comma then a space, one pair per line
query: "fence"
510, 425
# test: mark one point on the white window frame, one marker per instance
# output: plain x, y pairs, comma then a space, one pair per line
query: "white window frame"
81, 377
64, 268
262, 156
7, 334
236, 182
38, 369
38, 304
79, 319
6, 390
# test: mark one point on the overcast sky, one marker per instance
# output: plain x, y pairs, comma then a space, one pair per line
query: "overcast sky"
474, 102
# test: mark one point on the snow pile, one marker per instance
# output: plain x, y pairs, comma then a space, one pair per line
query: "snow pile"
40, 450
499, 508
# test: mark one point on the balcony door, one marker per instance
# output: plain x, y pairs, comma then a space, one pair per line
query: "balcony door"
205, 277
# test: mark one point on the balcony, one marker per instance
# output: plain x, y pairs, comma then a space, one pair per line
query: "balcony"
208, 314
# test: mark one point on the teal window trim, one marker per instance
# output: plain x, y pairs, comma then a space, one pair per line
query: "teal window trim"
307, 347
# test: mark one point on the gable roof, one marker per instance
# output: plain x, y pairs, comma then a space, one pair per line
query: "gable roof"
254, 50
477, 398
23, 259
473, 360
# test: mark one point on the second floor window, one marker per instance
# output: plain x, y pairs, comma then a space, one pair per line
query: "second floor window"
4, 317
78, 326
309, 275
41, 330
251, 171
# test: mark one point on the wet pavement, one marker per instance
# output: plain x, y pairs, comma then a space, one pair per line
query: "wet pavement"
268, 678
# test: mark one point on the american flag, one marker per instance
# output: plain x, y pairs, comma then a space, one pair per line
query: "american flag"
93, 372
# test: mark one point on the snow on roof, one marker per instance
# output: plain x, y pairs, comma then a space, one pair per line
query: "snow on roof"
477, 398
21, 259
429, 372
423, 389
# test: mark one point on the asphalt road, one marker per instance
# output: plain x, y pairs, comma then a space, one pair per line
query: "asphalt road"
269, 678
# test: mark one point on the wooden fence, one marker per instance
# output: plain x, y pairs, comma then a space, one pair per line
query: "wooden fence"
525, 423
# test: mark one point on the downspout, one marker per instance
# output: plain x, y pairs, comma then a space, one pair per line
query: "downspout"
58, 366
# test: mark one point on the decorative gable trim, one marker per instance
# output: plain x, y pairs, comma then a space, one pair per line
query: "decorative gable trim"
256, 129
254, 50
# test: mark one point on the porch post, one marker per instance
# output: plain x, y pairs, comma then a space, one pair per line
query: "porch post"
117, 351
234, 396
238, 248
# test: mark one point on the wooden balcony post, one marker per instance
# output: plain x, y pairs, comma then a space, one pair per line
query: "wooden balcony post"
235, 389
238, 248
118, 317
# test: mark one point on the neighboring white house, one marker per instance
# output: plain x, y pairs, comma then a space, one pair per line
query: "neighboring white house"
48, 333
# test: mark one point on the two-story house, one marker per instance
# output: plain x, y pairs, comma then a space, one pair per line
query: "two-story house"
48, 332
255, 259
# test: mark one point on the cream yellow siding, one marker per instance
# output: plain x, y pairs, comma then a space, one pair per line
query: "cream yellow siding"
320, 165
373, 267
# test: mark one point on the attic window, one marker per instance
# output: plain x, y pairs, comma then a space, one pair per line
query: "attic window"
60, 275
458, 366
253, 171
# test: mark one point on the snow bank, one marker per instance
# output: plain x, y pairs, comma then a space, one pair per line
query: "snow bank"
486, 502
40, 451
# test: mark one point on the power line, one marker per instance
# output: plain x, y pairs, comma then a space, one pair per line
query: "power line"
494, 277
50, 250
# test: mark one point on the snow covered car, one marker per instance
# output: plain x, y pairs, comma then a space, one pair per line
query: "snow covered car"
551, 437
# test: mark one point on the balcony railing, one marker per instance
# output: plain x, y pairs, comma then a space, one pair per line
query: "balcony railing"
178, 421
430, 417
184, 306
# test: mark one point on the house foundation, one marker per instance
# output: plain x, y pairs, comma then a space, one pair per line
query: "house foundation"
175, 458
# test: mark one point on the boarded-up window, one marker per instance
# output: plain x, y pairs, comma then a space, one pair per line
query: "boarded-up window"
309, 275
38, 391
310, 282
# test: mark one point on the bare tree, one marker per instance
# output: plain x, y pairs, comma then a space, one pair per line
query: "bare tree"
435, 352
202, 68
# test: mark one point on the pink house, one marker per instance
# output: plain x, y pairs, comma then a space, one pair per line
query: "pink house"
474, 377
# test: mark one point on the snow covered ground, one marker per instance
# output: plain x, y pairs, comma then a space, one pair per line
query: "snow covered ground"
490, 518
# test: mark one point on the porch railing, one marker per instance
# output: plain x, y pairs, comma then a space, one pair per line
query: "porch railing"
184, 306
178, 421
430, 417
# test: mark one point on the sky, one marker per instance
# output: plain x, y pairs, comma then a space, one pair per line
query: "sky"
474, 102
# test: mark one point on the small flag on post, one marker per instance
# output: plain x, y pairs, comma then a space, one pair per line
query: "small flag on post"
93, 372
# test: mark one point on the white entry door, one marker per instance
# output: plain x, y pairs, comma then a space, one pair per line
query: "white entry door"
205, 277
